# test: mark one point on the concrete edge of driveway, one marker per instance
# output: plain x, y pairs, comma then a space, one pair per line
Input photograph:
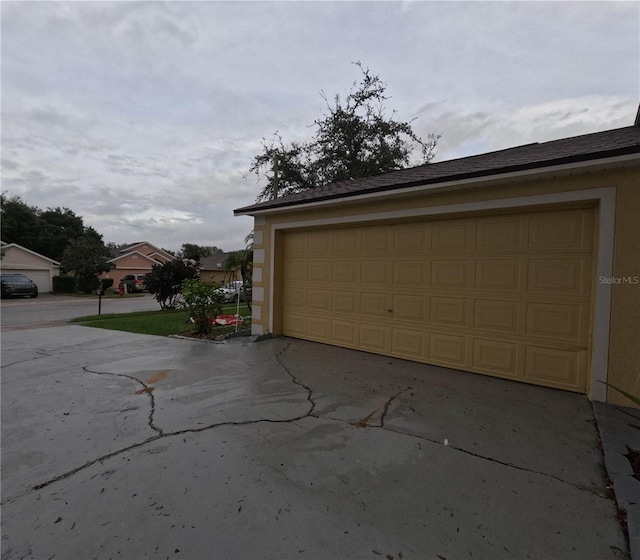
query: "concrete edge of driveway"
618, 437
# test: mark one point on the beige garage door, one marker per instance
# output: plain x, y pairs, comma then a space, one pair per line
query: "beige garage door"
503, 295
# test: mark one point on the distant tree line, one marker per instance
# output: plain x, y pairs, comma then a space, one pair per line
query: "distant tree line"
56, 233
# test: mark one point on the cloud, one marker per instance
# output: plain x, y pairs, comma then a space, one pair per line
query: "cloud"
143, 117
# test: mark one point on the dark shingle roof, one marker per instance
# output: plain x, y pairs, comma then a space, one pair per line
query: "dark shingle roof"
214, 262
583, 148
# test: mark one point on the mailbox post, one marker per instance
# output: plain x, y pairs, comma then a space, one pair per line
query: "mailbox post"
100, 293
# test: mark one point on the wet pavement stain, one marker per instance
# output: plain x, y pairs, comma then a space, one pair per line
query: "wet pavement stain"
158, 376
364, 423
145, 390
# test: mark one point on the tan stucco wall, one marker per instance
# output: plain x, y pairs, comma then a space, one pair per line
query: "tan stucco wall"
624, 338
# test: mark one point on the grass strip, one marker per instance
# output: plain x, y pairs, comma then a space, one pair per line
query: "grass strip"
160, 323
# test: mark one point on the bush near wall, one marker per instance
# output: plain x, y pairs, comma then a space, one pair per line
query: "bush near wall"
64, 284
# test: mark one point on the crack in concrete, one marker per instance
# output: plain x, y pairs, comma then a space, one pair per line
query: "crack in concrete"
580, 487
162, 434
297, 381
146, 389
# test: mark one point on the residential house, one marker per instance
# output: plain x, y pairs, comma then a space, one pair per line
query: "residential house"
135, 258
17, 259
522, 264
213, 269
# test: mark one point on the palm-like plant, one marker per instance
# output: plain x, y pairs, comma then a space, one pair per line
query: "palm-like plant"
242, 261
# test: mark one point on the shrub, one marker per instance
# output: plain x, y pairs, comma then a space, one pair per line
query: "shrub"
105, 284
165, 281
203, 302
64, 284
87, 284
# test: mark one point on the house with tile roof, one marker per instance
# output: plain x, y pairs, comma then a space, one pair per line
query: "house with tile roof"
521, 263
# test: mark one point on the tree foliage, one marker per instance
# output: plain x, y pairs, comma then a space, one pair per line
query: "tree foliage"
354, 138
48, 232
86, 257
197, 252
165, 280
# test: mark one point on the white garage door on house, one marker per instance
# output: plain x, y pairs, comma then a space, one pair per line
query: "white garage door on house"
507, 295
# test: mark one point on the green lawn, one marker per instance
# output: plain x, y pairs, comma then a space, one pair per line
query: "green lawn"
160, 323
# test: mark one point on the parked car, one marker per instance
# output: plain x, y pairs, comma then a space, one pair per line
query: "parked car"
18, 285
233, 290
134, 283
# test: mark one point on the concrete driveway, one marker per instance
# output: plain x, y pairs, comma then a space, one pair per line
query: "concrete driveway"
132, 446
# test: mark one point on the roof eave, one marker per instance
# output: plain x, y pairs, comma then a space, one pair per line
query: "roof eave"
454, 182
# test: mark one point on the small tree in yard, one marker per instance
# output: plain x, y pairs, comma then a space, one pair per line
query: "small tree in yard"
87, 257
165, 281
203, 302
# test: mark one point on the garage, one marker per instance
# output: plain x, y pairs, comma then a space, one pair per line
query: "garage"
521, 264
42, 278
507, 295
20, 260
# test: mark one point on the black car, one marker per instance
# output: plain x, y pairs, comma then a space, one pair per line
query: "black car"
18, 285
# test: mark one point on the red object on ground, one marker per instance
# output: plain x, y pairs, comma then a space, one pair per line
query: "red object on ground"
121, 290
227, 320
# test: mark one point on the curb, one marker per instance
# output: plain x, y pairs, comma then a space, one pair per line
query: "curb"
617, 439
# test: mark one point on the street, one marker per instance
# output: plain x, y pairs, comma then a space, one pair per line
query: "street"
47, 308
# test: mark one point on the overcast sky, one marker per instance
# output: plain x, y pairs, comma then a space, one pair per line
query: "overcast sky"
143, 117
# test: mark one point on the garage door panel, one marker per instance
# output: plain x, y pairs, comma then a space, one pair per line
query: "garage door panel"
296, 298
451, 235
318, 271
408, 307
319, 328
374, 304
345, 302
450, 274
494, 356
503, 295
374, 338
319, 242
344, 333
411, 239
375, 272
554, 367
499, 235
565, 276
376, 240
560, 232
496, 315
347, 242
407, 343
449, 311
497, 274
556, 321
318, 300
409, 273
447, 349
295, 324
295, 272
347, 272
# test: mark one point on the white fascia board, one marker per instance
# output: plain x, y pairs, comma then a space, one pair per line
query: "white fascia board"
474, 182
